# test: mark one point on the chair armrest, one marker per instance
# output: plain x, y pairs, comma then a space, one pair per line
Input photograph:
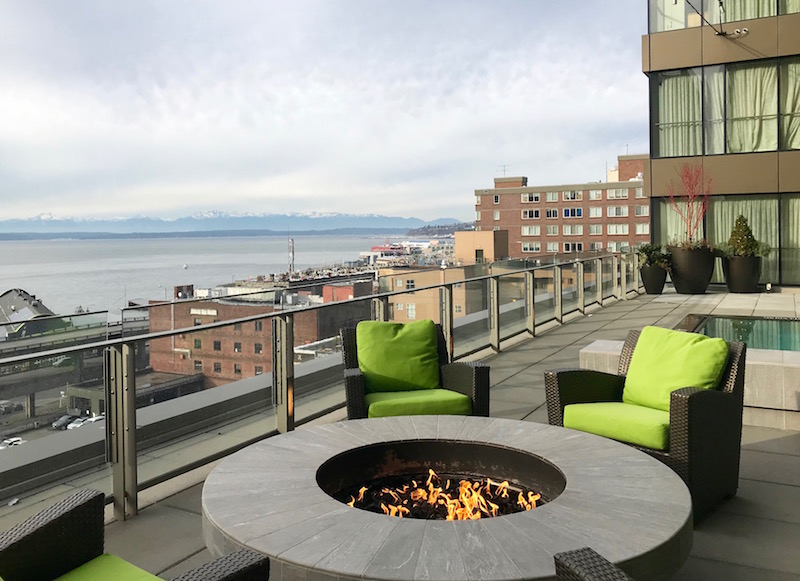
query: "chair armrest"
244, 565
354, 393
567, 386
586, 565
471, 379
56, 540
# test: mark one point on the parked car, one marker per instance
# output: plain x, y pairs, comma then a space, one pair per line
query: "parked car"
79, 422
8, 442
76, 423
62, 422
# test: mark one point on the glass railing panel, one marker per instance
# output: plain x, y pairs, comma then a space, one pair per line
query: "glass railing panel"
543, 298
37, 393
415, 306
512, 304
608, 277
569, 288
55, 332
630, 274
470, 316
589, 282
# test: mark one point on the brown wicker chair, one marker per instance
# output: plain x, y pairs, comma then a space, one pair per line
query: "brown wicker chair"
586, 565
71, 533
705, 426
471, 379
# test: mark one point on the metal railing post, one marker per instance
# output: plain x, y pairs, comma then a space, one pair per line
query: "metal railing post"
581, 289
380, 309
599, 277
557, 299
530, 302
494, 313
283, 371
120, 379
446, 316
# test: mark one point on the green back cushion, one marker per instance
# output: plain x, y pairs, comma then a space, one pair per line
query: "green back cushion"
417, 403
625, 422
666, 360
397, 356
107, 567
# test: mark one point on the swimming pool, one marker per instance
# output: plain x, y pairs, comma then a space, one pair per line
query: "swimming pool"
772, 333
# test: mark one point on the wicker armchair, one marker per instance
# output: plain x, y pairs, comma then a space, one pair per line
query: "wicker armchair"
471, 379
586, 565
705, 426
70, 533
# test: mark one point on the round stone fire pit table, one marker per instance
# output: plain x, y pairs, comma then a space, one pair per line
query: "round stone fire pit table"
624, 504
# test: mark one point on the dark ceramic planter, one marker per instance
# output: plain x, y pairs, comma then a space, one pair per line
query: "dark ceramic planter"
653, 279
691, 269
742, 273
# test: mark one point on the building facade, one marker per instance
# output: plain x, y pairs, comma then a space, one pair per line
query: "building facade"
568, 218
725, 96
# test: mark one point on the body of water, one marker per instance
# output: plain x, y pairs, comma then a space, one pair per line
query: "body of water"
105, 274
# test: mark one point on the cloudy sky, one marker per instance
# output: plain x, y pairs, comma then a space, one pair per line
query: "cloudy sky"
165, 108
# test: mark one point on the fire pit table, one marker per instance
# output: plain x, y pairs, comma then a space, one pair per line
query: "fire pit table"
275, 497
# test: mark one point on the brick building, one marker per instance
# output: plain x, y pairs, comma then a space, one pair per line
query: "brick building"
568, 218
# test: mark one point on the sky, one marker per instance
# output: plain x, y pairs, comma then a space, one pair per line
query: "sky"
402, 108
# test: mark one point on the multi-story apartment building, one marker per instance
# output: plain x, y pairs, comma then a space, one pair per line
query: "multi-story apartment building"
568, 218
725, 95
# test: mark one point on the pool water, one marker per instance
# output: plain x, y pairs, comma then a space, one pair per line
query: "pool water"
777, 334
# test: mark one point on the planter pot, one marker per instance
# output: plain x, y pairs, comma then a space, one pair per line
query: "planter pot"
653, 279
742, 273
691, 269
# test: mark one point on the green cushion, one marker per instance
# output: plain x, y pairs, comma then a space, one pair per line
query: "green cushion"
665, 360
397, 356
106, 567
418, 402
625, 422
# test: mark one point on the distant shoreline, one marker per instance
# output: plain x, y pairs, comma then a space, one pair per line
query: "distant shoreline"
17, 236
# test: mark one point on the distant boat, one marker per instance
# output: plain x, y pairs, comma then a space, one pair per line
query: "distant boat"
185, 266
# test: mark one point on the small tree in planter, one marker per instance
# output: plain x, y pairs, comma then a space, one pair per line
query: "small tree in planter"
741, 258
692, 258
653, 266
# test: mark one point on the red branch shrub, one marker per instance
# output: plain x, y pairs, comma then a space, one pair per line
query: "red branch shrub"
696, 189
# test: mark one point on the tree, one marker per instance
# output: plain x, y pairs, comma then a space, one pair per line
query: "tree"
696, 190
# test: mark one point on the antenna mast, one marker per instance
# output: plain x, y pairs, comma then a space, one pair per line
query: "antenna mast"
291, 256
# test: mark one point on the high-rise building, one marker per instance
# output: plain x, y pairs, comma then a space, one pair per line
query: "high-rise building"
567, 218
725, 96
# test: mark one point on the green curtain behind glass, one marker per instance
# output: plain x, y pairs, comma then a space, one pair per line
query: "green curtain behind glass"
762, 216
714, 109
679, 113
752, 107
788, 6
736, 10
790, 102
669, 226
790, 239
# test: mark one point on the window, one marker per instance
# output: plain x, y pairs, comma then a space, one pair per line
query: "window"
573, 212
237, 326
259, 325
531, 231
616, 211
617, 229
496, 199
676, 14
198, 344
572, 229
197, 322
530, 214
595, 245
640, 192
398, 282
617, 194
259, 370
531, 247
237, 368
552, 246
398, 306
595, 212
198, 365
552, 230
477, 216
528, 198
411, 283
237, 347
457, 309
258, 348
614, 246
411, 311
551, 197
217, 345
552, 213
572, 196
789, 106
642, 210
595, 194
217, 367
643, 228
477, 200
496, 214
496, 228
573, 246
595, 229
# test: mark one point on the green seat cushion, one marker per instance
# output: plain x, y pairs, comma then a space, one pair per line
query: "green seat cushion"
107, 567
665, 360
625, 422
418, 402
398, 356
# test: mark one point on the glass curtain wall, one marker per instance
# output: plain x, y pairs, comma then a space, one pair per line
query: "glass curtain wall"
790, 239
672, 15
752, 107
735, 10
714, 109
790, 102
679, 115
668, 225
788, 6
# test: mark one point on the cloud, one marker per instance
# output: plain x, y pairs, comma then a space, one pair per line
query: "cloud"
112, 109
